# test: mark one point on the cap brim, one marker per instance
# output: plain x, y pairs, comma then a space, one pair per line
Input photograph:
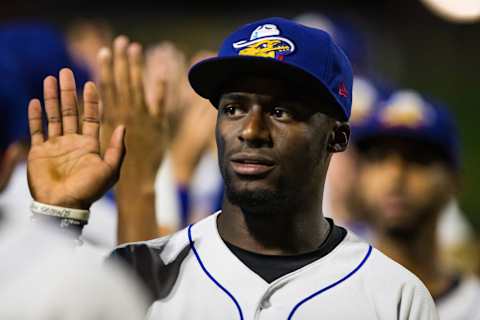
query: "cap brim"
370, 137
208, 77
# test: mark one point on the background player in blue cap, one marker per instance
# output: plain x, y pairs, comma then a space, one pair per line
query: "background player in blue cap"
283, 93
408, 172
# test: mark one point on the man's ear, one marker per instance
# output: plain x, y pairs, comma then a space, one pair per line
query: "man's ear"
339, 137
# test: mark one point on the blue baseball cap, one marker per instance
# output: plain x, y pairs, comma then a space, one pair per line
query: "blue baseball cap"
30, 51
13, 103
348, 35
407, 114
280, 48
39, 50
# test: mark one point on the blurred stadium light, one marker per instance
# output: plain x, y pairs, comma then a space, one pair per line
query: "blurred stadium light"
459, 11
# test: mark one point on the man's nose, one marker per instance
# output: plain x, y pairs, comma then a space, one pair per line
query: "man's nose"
255, 131
396, 167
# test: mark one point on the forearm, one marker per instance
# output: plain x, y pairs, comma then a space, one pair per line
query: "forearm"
186, 157
136, 213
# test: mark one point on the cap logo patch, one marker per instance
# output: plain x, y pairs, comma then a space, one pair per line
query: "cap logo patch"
406, 110
265, 41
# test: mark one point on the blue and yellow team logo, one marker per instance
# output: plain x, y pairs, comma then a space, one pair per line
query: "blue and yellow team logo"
406, 109
265, 41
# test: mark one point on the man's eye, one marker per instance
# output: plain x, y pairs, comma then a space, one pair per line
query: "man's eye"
232, 110
281, 114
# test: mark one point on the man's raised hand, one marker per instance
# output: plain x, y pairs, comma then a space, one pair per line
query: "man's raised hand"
65, 167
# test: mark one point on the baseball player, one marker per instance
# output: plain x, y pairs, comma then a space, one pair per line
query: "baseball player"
283, 93
407, 174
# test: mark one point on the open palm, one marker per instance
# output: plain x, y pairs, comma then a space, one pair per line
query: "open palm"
66, 168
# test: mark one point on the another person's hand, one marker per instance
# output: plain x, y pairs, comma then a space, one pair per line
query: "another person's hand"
124, 101
65, 167
165, 76
123, 97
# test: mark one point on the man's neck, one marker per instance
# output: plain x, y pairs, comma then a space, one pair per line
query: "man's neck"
418, 254
274, 231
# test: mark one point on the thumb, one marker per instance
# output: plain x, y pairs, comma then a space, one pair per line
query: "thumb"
116, 149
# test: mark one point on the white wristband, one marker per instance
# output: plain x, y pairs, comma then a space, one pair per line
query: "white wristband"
61, 212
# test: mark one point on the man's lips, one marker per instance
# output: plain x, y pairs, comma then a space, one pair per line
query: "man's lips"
251, 165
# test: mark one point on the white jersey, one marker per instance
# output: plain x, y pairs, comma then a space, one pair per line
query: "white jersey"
463, 303
44, 277
193, 275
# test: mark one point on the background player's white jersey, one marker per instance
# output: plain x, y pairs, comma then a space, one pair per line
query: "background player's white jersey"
193, 275
463, 303
44, 277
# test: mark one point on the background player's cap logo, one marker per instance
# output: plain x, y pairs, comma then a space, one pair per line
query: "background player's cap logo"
406, 109
265, 41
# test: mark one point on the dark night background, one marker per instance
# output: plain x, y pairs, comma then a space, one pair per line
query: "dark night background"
408, 46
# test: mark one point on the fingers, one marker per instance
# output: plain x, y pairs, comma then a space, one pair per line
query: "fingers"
68, 96
68, 117
157, 106
52, 106
107, 85
35, 122
135, 60
120, 69
91, 115
116, 150
165, 74
155, 83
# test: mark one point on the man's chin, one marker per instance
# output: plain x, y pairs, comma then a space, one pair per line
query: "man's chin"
248, 198
401, 226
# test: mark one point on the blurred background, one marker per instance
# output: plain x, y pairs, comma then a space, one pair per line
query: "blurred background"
404, 43
429, 46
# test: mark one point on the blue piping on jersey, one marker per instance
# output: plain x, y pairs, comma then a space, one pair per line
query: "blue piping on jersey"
290, 316
192, 245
